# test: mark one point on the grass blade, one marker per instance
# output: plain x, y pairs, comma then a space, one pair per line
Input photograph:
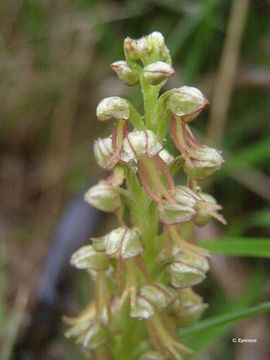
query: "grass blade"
254, 292
224, 320
238, 246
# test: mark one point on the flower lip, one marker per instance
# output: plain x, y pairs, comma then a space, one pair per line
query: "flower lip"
208, 207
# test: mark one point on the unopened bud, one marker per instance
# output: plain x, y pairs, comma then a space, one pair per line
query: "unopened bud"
131, 244
182, 276
104, 197
188, 270
125, 73
113, 108
160, 52
185, 196
103, 152
132, 48
87, 258
142, 309
204, 162
174, 213
147, 48
158, 294
192, 259
138, 143
157, 72
152, 355
121, 241
186, 103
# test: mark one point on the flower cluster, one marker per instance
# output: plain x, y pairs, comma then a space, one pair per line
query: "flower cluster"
146, 267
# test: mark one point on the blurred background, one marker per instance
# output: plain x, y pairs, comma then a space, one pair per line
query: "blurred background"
54, 68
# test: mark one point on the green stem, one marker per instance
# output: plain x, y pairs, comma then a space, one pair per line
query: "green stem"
150, 96
135, 118
144, 216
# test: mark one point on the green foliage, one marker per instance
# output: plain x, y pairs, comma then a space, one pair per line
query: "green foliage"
218, 323
238, 246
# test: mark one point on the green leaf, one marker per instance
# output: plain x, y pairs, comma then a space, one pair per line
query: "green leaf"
238, 246
254, 292
224, 320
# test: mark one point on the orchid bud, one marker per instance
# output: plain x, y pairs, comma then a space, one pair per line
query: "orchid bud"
157, 72
138, 143
96, 336
189, 307
104, 197
156, 42
207, 208
188, 270
113, 240
121, 241
103, 152
174, 213
147, 49
203, 162
186, 103
113, 108
182, 276
132, 48
125, 73
192, 259
158, 294
185, 196
152, 355
131, 245
142, 310
87, 258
